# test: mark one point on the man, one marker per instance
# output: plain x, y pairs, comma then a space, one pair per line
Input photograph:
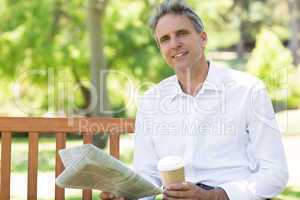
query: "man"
220, 121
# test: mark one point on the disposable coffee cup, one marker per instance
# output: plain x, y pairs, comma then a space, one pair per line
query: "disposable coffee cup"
171, 169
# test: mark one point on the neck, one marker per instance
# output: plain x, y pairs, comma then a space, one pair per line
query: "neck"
191, 80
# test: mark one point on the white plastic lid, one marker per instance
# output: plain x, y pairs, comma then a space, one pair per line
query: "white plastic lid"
170, 163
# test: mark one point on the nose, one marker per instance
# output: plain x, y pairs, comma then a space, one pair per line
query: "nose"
175, 43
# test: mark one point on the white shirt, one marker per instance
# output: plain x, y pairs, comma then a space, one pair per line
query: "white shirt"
227, 134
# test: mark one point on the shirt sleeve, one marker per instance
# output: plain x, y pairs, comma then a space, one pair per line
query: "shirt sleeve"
145, 157
265, 149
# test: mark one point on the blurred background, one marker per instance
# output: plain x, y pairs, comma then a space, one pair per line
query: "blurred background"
94, 57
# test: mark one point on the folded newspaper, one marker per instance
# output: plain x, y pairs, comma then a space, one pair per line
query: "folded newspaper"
88, 167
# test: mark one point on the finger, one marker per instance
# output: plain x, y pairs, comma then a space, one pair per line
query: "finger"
178, 186
176, 194
169, 198
107, 195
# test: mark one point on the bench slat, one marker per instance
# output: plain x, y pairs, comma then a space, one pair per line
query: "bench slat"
87, 139
32, 166
114, 145
59, 167
5, 164
66, 125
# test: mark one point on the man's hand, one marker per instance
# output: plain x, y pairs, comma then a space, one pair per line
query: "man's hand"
185, 190
109, 196
189, 190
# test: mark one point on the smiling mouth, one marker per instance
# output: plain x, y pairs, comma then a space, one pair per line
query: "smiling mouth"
180, 55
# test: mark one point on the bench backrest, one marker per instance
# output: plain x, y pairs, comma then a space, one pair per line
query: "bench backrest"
60, 127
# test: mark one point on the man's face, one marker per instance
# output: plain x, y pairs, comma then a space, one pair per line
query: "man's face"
180, 44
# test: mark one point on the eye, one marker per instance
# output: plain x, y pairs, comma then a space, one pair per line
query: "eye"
164, 39
182, 32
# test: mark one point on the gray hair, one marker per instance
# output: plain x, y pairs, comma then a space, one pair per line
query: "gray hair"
176, 7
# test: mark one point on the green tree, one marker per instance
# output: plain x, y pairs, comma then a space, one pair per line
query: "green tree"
52, 39
294, 45
272, 63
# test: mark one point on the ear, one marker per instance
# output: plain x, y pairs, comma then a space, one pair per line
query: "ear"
203, 38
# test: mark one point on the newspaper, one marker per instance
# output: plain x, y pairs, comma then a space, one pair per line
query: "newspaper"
88, 167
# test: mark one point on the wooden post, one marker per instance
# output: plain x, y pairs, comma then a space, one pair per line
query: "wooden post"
5, 165
32, 166
60, 144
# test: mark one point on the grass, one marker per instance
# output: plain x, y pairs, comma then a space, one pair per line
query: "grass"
77, 197
46, 156
290, 193
95, 195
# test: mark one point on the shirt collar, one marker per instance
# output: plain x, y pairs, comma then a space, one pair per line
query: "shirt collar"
213, 82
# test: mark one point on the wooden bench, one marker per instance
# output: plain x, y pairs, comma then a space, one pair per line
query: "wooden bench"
59, 127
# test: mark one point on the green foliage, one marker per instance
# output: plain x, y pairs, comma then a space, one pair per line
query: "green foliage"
290, 193
294, 90
219, 22
45, 164
271, 62
37, 51
130, 46
41, 41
